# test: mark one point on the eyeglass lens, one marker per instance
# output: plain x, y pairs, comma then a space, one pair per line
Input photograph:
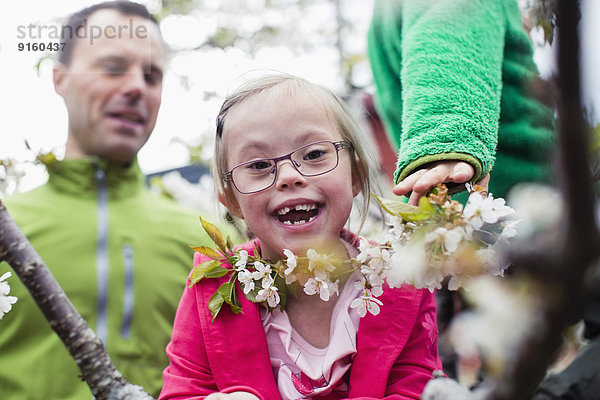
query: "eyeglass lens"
310, 160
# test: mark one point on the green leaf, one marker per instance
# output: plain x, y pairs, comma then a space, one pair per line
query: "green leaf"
229, 243
251, 295
204, 269
395, 206
215, 303
228, 292
217, 272
282, 290
209, 252
214, 233
426, 206
407, 212
256, 251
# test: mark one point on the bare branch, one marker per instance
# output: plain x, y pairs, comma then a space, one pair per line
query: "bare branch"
86, 348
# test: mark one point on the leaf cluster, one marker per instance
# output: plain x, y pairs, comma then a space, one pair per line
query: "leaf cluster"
222, 255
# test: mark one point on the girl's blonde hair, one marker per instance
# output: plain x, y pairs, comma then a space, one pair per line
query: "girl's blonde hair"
290, 84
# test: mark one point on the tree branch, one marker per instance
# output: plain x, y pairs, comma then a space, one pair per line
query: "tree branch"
576, 249
105, 381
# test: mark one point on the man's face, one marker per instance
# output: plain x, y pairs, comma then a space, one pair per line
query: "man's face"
112, 87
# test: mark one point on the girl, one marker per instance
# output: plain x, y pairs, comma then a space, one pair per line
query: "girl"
301, 135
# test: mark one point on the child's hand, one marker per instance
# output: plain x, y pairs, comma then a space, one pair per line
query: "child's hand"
232, 396
423, 180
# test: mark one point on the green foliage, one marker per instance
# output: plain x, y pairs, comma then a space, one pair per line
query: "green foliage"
409, 213
208, 251
215, 234
176, 7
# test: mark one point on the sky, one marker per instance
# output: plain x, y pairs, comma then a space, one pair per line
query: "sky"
32, 111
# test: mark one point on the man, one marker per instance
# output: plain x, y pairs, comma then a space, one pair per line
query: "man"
120, 253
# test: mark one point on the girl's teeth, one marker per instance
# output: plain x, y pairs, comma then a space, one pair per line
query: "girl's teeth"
299, 207
283, 211
298, 222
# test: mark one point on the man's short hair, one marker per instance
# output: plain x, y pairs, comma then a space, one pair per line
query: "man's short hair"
79, 19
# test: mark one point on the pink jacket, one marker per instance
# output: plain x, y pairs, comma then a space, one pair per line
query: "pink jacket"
396, 350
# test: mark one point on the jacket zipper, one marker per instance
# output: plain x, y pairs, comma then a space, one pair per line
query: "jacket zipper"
128, 291
102, 268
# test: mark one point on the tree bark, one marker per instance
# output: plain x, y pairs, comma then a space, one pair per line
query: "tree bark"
105, 381
562, 266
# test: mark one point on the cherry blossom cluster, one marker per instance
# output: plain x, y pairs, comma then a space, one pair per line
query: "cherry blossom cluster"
438, 240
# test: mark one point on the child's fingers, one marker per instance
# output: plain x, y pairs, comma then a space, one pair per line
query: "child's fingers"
414, 197
441, 173
460, 172
407, 183
422, 181
485, 184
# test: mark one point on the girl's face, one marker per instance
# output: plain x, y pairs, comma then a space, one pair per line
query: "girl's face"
270, 125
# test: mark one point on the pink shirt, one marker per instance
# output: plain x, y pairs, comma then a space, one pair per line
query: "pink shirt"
303, 371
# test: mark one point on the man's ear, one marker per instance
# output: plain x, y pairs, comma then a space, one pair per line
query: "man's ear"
59, 77
228, 200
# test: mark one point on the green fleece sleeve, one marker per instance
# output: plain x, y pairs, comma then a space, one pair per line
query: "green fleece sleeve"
450, 69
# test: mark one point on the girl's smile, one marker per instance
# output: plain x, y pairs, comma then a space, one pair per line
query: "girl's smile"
297, 212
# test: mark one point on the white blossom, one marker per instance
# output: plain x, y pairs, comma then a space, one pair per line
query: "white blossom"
319, 264
198, 196
376, 291
375, 261
269, 292
480, 210
261, 270
449, 238
501, 318
455, 282
324, 287
6, 301
242, 260
364, 250
366, 303
490, 259
396, 229
509, 229
246, 279
539, 207
408, 264
291, 263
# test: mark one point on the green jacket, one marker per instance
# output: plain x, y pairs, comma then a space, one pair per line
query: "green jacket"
453, 81
122, 256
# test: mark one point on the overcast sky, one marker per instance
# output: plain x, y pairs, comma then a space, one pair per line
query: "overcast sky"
31, 110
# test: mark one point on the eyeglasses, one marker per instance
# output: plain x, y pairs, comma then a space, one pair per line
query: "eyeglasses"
314, 159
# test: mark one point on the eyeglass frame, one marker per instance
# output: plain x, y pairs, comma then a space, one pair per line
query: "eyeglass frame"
339, 145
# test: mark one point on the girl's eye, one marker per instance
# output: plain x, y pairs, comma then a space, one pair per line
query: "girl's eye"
314, 155
259, 165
